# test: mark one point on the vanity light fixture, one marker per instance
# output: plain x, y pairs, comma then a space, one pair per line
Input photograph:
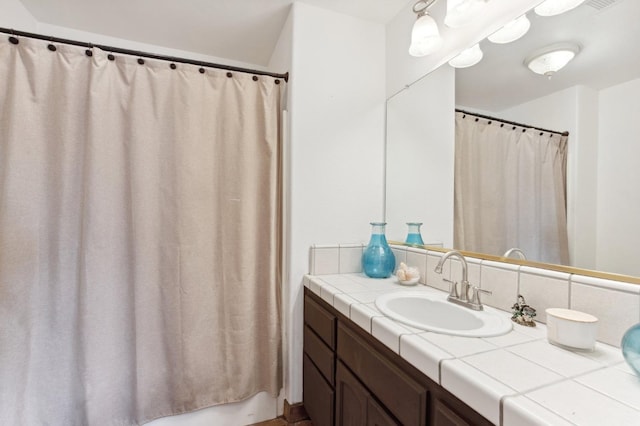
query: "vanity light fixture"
549, 60
556, 7
425, 36
512, 31
462, 12
468, 57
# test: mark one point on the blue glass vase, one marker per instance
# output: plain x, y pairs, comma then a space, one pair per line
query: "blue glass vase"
413, 235
631, 348
378, 260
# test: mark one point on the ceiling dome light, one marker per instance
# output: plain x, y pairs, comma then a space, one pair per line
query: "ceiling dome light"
462, 12
467, 58
556, 7
551, 59
512, 31
425, 36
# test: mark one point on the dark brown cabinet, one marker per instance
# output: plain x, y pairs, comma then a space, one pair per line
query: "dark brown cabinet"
351, 379
355, 406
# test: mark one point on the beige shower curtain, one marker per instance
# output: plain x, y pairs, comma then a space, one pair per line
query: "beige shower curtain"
139, 236
510, 190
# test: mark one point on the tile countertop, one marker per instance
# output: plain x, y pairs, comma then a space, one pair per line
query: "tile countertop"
514, 379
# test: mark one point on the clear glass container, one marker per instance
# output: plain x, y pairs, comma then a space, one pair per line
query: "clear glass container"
378, 260
413, 235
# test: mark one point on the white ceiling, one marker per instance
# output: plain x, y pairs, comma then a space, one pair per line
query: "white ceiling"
241, 30
607, 30
246, 31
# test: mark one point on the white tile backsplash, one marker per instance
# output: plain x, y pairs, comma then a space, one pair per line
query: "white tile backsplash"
616, 310
434, 279
324, 260
544, 289
501, 279
418, 259
350, 258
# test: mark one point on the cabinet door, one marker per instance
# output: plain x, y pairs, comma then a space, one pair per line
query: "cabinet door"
444, 416
351, 399
354, 404
317, 395
377, 416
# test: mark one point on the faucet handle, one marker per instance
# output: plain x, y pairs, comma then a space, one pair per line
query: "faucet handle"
475, 295
453, 288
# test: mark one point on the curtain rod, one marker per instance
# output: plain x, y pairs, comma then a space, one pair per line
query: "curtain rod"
11, 32
500, 120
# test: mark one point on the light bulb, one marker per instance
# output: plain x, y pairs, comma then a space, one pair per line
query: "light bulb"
468, 57
425, 36
556, 7
462, 12
512, 31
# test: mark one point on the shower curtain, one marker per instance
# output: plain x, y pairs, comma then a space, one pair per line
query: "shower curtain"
510, 190
139, 236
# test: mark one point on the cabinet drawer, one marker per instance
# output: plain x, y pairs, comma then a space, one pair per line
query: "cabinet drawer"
321, 355
318, 397
321, 321
405, 398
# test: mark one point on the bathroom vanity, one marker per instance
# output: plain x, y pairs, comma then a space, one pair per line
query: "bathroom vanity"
350, 378
363, 368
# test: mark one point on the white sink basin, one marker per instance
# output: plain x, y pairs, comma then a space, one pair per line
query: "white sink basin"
430, 311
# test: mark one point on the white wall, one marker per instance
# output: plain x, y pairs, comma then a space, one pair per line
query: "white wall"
14, 15
282, 58
337, 146
573, 110
619, 174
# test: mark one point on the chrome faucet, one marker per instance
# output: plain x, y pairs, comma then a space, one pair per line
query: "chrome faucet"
461, 298
517, 251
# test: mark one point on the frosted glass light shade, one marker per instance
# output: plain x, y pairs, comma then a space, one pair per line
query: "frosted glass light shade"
556, 7
468, 57
462, 12
512, 31
425, 36
552, 59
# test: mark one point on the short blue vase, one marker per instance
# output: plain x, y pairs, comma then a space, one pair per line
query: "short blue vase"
378, 260
631, 348
413, 234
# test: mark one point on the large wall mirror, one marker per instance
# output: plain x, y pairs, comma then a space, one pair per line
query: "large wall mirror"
596, 98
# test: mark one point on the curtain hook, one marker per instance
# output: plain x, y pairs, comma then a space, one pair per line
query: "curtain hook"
12, 38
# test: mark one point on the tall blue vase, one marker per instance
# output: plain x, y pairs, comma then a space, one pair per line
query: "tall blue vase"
631, 348
413, 234
378, 260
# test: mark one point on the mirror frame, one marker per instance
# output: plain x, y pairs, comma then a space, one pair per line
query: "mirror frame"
549, 266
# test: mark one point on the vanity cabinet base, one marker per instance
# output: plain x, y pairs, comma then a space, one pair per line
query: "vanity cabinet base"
351, 379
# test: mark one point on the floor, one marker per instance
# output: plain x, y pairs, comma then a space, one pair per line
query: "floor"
282, 422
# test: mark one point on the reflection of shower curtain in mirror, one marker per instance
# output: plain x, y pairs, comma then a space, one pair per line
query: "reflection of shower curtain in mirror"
510, 190
139, 237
